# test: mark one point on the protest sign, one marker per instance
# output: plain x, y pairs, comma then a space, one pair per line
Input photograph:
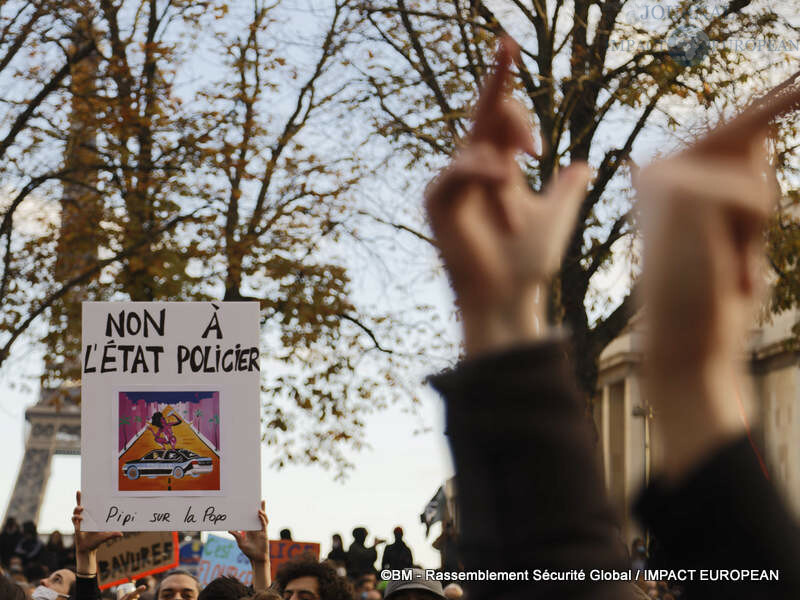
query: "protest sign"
170, 416
222, 556
190, 553
136, 555
281, 551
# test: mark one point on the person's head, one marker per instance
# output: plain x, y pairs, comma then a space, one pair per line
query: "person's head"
265, 595
178, 585
359, 534
398, 533
15, 564
157, 419
453, 591
10, 590
224, 588
417, 588
55, 540
286, 534
304, 578
57, 586
336, 541
366, 583
29, 529
11, 525
35, 571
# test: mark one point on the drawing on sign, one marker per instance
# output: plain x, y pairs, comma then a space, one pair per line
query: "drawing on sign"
168, 441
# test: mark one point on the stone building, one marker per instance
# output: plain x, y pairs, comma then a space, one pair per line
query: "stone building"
628, 439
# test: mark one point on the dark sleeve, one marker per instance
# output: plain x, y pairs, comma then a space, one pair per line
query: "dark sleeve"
86, 588
529, 487
727, 519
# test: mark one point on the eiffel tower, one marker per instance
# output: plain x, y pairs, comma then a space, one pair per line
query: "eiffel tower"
55, 419
55, 428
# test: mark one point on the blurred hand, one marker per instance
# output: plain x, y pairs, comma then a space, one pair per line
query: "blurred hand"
498, 240
255, 544
134, 595
703, 215
88, 541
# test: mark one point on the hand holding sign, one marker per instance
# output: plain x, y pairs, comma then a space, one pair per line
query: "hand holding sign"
86, 542
499, 241
255, 546
703, 213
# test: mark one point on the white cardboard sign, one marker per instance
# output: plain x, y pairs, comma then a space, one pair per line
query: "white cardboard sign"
170, 416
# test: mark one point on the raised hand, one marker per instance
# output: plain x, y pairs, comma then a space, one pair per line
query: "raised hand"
499, 241
703, 213
88, 541
135, 594
255, 546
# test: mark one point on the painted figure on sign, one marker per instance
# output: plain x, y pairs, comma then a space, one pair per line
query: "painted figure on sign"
163, 434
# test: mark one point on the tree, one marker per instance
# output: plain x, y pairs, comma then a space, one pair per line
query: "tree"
221, 186
597, 78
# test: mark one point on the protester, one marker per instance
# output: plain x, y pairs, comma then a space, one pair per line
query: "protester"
29, 546
178, 584
537, 499
418, 587
9, 590
397, 555
338, 556
305, 578
9, 538
60, 584
364, 584
224, 588
54, 554
360, 559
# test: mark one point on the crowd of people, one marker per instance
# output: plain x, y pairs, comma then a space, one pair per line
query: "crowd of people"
38, 571
531, 494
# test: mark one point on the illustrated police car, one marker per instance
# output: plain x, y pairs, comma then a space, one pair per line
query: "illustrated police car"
176, 463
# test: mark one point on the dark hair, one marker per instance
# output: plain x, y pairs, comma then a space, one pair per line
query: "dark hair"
29, 528
157, 419
10, 590
331, 586
286, 534
224, 588
178, 572
34, 571
266, 595
359, 534
398, 531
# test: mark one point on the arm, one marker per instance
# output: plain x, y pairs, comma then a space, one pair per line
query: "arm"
255, 546
86, 545
703, 213
530, 493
